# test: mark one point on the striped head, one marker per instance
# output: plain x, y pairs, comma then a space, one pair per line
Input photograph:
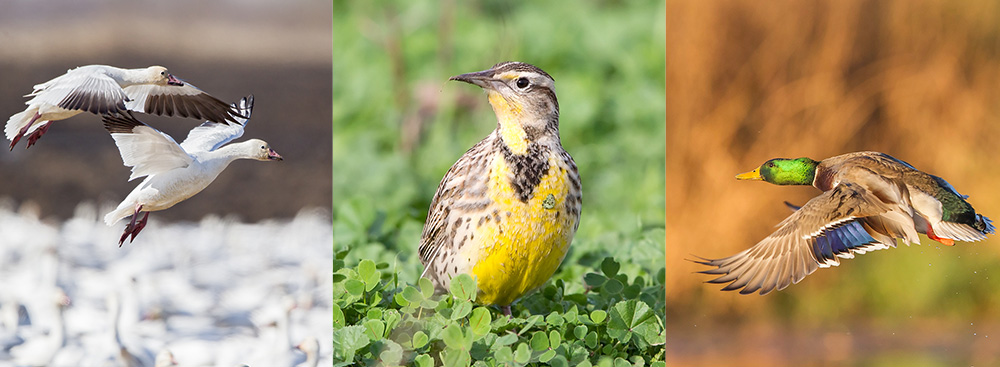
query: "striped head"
523, 98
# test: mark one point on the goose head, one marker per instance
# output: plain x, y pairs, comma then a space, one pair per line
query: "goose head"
164, 359
61, 299
309, 345
161, 76
261, 151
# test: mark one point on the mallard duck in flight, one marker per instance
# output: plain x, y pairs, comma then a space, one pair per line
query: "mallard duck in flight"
869, 200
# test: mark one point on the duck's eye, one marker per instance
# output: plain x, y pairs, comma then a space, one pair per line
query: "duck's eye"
263, 147
522, 82
770, 164
163, 73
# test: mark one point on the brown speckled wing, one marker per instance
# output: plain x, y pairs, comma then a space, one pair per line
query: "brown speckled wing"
463, 187
846, 220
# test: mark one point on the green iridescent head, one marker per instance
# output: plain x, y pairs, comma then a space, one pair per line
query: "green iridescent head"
783, 171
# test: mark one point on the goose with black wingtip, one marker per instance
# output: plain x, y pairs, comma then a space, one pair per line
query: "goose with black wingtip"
107, 90
175, 172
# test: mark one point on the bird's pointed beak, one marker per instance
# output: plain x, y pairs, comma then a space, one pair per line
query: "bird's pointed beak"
274, 156
752, 175
174, 81
480, 78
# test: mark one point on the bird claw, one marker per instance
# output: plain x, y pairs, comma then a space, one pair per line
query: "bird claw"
124, 236
132, 228
14, 141
37, 134
24, 130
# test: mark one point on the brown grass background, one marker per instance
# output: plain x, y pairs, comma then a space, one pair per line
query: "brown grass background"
278, 51
748, 81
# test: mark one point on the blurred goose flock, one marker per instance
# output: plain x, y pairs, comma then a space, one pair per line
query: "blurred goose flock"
212, 293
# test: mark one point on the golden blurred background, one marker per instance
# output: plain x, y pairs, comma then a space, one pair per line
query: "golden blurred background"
748, 81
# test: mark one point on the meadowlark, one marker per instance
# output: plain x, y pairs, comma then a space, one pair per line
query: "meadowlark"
507, 211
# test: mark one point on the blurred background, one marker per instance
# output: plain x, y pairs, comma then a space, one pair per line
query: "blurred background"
400, 124
194, 272
748, 81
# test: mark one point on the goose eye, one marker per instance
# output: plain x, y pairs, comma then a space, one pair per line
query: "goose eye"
163, 73
263, 147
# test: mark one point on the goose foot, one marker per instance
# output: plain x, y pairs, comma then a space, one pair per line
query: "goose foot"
37, 134
139, 226
24, 130
133, 227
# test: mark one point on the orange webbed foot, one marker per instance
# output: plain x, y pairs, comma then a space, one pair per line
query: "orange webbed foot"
945, 241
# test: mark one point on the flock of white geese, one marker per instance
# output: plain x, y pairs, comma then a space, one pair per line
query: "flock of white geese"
211, 293
217, 293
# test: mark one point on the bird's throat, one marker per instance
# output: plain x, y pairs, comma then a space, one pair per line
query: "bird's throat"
509, 124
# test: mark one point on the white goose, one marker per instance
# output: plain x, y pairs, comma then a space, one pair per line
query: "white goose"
309, 346
107, 90
134, 354
174, 171
40, 351
165, 359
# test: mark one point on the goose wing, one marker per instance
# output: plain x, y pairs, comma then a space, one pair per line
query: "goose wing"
147, 150
88, 89
210, 135
184, 100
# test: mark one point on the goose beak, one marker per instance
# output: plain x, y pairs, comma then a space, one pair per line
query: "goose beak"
752, 175
274, 156
174, 81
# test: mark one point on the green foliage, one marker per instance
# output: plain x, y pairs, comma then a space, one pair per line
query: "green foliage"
392, 60
378, 323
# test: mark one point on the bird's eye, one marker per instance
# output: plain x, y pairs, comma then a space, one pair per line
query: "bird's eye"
770, 164
163, 73
263, 147
522, 82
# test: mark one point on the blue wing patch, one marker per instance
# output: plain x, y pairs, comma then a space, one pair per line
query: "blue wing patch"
840, 240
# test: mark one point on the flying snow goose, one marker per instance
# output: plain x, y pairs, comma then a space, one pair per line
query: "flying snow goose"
107, 90
175, 172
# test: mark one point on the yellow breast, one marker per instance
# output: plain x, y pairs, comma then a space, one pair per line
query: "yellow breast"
522, 243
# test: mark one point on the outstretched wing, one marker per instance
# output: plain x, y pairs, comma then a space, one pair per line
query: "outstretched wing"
210, 135
147, 150
184, 100
86, 89
845, 220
